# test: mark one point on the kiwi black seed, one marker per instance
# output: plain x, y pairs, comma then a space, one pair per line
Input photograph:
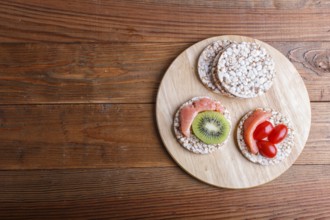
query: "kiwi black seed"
211, 127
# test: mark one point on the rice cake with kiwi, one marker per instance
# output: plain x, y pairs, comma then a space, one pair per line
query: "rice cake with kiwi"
205, 62
245, 70
192, 143
283, 148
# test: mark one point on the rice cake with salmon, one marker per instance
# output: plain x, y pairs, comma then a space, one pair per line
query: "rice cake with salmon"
188, 139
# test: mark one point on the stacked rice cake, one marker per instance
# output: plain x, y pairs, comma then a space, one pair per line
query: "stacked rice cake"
207, 64
243, 70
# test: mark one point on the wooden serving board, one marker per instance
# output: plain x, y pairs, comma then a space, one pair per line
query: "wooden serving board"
227, 167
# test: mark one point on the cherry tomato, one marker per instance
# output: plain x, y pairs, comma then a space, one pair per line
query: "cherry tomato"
263, 130
267, 149
278, 134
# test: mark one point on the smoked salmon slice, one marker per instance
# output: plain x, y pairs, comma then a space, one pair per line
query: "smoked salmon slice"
250, 124
189, 112
187, 115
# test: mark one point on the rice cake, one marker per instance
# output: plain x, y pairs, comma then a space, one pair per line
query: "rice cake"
215, 80
245, 70
192, 143
205, 62
283, 148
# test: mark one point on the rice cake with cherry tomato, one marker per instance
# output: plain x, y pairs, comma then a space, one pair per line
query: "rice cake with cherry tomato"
192, 143
284, 148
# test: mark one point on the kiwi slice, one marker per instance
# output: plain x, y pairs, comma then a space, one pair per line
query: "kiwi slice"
211, 127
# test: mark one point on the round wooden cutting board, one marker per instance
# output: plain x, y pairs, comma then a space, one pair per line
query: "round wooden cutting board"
227, 167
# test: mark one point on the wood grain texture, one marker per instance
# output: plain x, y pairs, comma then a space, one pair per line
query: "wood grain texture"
90, 52
92, 136
120, 72
159, 21
64, 136
83, 73
226, 167
313, 61
159, 193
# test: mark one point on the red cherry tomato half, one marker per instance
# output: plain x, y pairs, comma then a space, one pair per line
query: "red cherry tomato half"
267, 149
278, 134
263, 130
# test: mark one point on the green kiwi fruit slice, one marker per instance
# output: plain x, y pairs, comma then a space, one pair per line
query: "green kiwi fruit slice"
211, 127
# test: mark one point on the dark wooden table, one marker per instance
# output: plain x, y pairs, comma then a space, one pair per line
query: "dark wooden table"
78, 83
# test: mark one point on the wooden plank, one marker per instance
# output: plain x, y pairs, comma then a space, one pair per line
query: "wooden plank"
159, 21
159, 193
107, 136
306, 5
121, 73
81, 73
313, 63
316, 149
63, 136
